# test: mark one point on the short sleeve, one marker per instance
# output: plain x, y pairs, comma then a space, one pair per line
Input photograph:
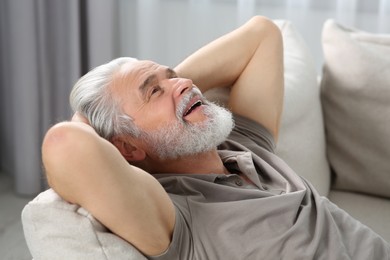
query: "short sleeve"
181, 246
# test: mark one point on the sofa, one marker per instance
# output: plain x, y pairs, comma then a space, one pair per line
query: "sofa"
335, 132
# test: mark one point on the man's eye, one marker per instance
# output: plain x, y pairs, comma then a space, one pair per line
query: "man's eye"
155, 90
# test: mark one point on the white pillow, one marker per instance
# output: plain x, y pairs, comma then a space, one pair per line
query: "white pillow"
302, 138
356, 103
55, 229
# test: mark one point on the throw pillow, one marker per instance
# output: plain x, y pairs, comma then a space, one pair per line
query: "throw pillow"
55, 229
356, 104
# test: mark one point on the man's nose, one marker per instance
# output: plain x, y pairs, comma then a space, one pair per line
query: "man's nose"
181, 86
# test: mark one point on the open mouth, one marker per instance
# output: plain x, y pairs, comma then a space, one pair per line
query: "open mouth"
190, 109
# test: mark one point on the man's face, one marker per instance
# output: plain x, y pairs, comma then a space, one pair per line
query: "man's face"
150, 94
173, 116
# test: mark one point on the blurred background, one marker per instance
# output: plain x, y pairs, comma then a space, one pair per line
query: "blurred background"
46, 45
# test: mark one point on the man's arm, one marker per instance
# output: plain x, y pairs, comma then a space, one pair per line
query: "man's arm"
250, 59
87, 170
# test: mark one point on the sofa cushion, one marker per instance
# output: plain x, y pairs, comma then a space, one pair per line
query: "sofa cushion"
372, 211
70, 232
301, 139
356, 103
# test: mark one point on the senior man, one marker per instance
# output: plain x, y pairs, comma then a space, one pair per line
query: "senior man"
157, 179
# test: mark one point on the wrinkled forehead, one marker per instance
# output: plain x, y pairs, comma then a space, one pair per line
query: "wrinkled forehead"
130, 74
135, 69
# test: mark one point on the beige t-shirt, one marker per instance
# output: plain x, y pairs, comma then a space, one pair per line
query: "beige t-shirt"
271, 213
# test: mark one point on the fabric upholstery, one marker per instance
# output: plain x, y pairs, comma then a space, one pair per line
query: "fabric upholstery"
302, 138
372, 211
55, 229
356, 103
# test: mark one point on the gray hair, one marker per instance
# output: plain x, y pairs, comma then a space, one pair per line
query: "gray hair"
92, 97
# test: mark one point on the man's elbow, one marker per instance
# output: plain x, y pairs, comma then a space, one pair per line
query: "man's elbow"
263, 25
61, 151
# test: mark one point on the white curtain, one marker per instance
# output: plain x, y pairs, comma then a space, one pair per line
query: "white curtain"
47, 44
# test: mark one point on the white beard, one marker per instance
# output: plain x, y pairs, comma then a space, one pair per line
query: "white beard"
182, 138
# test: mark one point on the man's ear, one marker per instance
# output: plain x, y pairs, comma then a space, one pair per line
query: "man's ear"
128, 150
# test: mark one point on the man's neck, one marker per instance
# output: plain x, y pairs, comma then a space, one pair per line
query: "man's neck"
203, 163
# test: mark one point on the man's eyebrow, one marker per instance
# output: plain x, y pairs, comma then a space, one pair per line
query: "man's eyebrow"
171, 73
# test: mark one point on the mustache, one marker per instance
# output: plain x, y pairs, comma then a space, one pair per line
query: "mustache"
180, 109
